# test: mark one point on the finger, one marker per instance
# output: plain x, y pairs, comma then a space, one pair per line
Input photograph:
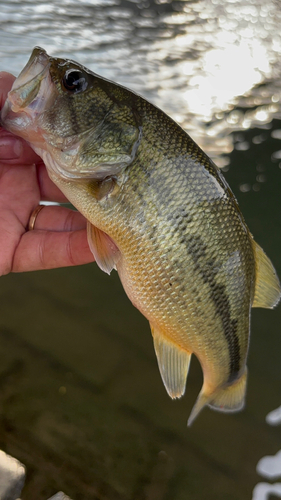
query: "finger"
6, 82
11, 147
16, 150
56, 218
10, 232
39, 250
19, 195
49, 191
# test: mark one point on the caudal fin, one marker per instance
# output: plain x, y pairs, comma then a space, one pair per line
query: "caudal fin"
228, 399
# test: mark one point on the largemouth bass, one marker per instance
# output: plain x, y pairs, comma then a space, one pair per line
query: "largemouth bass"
159, 211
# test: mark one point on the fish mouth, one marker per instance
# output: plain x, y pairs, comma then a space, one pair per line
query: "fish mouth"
29, 94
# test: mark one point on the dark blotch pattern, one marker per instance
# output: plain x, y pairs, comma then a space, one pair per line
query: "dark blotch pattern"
197, 249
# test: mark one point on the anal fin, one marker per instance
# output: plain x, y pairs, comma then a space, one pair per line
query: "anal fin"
103, 248
267, 286
173, 363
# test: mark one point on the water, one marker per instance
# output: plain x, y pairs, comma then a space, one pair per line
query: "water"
81, 400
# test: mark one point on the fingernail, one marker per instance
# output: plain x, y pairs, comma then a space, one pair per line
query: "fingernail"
10, 148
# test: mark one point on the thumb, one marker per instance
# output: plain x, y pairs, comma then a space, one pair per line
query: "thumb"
13, 149
6, 82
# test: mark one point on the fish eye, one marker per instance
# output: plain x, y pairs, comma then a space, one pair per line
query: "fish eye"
74, 81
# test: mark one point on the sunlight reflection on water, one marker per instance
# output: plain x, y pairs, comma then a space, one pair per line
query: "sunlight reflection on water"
198, 60
269, 467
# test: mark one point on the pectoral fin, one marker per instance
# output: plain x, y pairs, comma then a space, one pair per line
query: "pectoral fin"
267, 286
103, 248
173, 363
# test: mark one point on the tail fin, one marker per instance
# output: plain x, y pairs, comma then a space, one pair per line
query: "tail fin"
229, 399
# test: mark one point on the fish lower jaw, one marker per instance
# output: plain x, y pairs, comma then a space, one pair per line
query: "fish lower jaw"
18, 123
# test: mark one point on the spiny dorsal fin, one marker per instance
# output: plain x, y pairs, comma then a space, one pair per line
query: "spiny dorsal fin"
173, 363
267, 286
103, 248
228, 399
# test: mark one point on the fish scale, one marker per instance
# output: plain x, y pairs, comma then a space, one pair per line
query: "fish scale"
185, 278
159, 211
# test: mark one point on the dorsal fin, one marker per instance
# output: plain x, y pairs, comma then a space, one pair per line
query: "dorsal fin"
267, 285
103, 248
173, 363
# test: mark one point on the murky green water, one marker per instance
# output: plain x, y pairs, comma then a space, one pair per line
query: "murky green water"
82, 404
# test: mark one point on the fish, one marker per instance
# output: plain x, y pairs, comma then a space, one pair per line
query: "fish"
158, 211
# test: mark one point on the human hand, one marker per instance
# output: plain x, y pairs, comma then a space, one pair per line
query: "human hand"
59, 236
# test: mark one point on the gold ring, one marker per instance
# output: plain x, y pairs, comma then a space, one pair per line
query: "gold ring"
34, 216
